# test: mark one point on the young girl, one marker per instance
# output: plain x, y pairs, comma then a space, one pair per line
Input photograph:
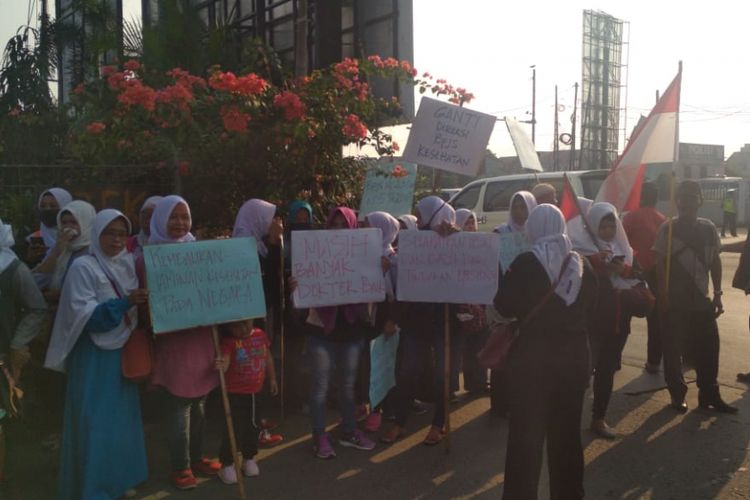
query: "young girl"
247, 360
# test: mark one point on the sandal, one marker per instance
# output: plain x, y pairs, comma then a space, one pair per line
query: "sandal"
394, 434
435, 435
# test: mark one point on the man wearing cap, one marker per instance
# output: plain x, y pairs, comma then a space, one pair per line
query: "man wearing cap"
689, 314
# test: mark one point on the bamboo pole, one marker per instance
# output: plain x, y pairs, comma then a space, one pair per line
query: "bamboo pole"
237, 455
282, 344
446, 378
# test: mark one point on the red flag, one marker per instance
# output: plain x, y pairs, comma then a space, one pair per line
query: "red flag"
568, 201
654, 141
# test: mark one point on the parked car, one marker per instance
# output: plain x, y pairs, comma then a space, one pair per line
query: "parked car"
490, 198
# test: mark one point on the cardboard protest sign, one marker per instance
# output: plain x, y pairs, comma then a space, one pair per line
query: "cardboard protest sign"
448, 137
511, 246
337, 266
203, 283
389, 187
460, 269
382, 367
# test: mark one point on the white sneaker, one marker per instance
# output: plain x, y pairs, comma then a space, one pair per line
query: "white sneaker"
228, 475
250, 468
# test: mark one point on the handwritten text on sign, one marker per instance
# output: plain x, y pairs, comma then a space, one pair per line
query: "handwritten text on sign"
458, 269
389, 187
338, 266
203, 283
448, 137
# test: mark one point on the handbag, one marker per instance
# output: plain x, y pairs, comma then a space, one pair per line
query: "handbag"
637, 301
495, 353
137, 355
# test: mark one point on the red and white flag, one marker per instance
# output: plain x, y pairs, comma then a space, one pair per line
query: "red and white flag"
656, 140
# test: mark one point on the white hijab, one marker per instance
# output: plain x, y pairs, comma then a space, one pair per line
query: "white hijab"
49, 234
254, 219
410, 221
160, 219
84, 214
93, 280
7, 255
463, 215
511, 225
620, 245
150, 202
545, 230
434, 211
388, 226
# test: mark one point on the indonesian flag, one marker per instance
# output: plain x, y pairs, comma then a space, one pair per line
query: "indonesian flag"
654, 141
569, 201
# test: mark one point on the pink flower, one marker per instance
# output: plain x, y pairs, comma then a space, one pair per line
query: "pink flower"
354, 128
234, 120
291, 104
395, 146
108, 70
137, 94
132, 65
348, 66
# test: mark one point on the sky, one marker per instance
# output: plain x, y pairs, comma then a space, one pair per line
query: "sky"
488, 46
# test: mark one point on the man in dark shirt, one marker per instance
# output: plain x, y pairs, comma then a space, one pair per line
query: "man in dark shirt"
689, 314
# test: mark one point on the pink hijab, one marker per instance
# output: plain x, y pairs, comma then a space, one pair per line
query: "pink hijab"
351, 311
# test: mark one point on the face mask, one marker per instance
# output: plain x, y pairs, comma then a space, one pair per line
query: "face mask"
48, 217
300, 226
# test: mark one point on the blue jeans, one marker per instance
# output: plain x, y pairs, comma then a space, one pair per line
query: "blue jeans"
326, 356
184, 422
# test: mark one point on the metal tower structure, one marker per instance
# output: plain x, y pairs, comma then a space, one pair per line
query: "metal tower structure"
604, 38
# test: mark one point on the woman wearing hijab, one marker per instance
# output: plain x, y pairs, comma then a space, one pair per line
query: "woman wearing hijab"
606, 246
140, 240
74, 224
408, 222
385, 321
186, 365
103, 452
334, 344
422, 333
521, 205
553, 290
42, 241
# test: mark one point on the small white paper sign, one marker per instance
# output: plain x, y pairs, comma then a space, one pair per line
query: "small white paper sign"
449, 137
337, 266
459, 269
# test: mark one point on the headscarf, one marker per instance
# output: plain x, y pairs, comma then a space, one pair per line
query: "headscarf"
93, 280
254, 219
434, 211
511, 225
545, 230
84, 213
410, 221
7, 255
582, 239
388, 226
49, 234
327, 314
463, 215
150, 202
160, 219
294, 208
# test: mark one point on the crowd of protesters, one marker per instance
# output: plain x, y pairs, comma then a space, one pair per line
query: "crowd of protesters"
80, 292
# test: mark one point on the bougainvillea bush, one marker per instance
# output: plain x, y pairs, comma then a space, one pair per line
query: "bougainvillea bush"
229, 137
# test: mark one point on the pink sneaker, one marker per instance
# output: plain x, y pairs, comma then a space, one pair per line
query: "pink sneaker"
323, 448
357, 440
360, 413
372, 424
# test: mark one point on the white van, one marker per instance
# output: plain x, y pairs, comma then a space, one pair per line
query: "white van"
490, 198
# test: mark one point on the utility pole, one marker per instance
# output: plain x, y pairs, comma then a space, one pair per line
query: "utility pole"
556, 144
300, 39
533, 103
44, 41
571, 163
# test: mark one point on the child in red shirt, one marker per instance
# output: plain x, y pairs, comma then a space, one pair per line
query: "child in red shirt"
247, 361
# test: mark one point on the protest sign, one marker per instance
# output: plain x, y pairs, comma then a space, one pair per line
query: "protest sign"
389, 187
512, 245
448, 137
459, 269
203, 283
382, 367
337, 266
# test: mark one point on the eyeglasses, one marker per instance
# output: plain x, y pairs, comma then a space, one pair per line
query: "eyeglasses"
115, 234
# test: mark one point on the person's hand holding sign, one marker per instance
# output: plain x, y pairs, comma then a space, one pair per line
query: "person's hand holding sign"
138, 296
